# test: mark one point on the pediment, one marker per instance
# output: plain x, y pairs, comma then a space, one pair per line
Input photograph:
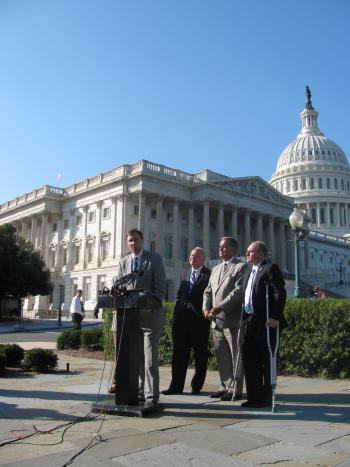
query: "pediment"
256, 187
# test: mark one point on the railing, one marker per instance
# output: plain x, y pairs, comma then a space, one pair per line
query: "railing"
32, 196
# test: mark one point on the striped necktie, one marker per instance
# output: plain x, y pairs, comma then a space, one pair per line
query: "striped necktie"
135, 265
193, 278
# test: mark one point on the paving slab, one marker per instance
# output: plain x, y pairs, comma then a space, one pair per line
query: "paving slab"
179, 455
284, 452
218, 440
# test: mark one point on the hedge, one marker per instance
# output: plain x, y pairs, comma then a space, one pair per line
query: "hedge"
315, 343
91, 339
317, 339
70, 339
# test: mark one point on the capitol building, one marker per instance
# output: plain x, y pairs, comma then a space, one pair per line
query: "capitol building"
80, 230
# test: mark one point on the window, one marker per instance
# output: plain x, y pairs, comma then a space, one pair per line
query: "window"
342, 184
170, 216
313, 215
87, 293
54, 227
104, 246
65, 224
328, 183
76, 256
184, 220
335, 184
64, 256
288, 186
78, 220
89, 252
153, 246
322, 216
106, 214
331, 215
92, 216
295, 185
153, 213
303, 184
136, 209
320, 183
312, 183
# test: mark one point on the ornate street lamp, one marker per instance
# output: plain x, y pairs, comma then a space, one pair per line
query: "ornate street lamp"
296, 220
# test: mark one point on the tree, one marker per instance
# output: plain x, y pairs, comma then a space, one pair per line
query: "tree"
22, 270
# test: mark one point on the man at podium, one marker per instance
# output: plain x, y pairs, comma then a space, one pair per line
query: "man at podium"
151, 320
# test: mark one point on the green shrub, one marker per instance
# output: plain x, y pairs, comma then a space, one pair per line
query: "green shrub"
40, 360
317, 339
2, 363
13, 353
70, 339
91, 339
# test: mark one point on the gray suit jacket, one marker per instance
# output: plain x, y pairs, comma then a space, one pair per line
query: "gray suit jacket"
153, 279
226, 293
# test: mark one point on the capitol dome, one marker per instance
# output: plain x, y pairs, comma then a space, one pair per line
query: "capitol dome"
315, 171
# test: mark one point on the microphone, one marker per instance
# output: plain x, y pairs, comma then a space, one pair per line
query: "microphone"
129, 277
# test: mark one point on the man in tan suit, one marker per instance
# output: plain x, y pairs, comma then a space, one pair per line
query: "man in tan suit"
222, 305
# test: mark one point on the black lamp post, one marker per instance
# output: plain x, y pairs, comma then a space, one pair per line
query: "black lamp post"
296, 220
59, 314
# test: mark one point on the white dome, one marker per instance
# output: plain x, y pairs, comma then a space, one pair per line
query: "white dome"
315, 172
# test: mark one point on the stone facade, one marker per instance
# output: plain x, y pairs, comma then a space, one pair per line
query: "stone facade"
80, 230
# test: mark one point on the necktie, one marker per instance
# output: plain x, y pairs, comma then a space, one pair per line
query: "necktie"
193, 278
249, 292
135, 265
223, 271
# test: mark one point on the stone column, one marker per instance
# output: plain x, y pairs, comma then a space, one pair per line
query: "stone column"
98, 238
190, 229
234, 223
318, 215
271, 237
206, 233
141, 216
259, 227
113, 227
82, 262
70, 238
59, 238
220, 222
119, 226
159, 232
247, 231
327, 216
282, 247
33, 232
175, 230
43, 246
337, 222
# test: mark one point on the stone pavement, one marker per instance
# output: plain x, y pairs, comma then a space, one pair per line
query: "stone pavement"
310, 428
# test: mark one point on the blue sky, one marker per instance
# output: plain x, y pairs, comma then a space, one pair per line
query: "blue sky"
88, 85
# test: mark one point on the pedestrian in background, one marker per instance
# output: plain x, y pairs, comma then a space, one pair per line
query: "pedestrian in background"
77, 309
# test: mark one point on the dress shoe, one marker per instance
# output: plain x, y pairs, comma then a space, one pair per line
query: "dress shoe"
226, 397
256, 404
218, 394
168, 392
152, 405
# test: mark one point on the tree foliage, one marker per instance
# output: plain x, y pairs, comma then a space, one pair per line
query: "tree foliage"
22, 270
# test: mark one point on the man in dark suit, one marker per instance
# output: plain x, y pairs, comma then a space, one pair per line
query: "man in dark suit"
256, 323
190, 329
151, 320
